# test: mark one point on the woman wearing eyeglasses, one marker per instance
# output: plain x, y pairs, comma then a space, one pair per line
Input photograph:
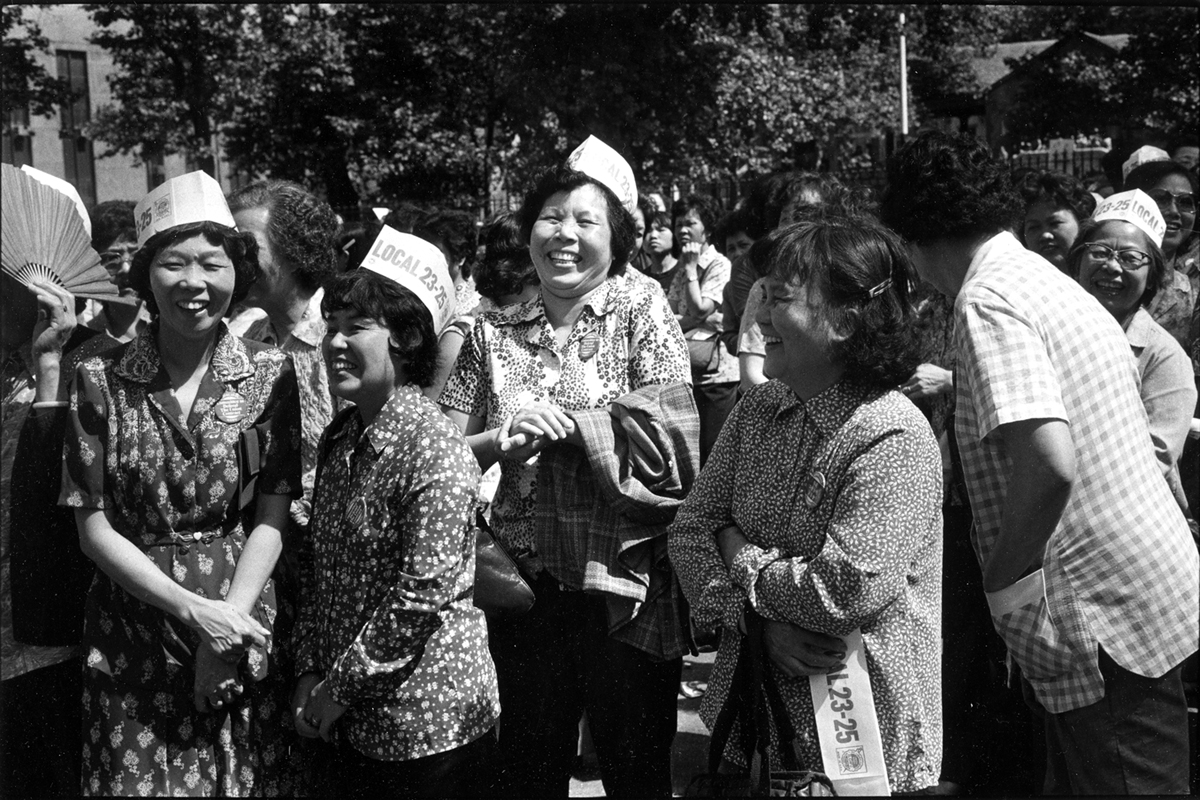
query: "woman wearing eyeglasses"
1173, 188
114, 237
1117, 259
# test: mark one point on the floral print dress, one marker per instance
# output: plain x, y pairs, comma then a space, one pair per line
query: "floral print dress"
174, 488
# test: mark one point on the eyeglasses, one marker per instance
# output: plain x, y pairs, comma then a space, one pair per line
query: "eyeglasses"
1184, 201
114, 260
1128, 259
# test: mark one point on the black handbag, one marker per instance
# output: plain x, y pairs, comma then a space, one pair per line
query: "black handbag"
754, 698
500, 591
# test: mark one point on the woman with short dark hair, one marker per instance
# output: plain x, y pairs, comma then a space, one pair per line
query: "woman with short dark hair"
505, 275
391, 652
537, 387
820, 507
1055, 206
181, 463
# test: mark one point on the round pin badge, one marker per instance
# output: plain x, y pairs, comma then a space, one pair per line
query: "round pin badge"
589, 346
231, 407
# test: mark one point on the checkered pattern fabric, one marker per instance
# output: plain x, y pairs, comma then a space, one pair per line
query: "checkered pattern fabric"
1121, 568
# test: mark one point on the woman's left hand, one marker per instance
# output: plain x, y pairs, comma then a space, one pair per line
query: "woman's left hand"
800, 651
531, 428
217, 684
321, 712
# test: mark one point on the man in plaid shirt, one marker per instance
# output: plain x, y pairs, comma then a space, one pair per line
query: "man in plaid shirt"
1088, 565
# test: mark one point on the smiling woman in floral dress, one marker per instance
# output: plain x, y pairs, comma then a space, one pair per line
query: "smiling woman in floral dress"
180, 466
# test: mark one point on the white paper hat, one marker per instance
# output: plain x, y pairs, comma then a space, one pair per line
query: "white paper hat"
419, 267
65, 188
1142, 155
194, 197
599, 161
1137, 208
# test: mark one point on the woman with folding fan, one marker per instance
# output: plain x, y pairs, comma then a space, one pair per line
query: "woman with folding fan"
181, 462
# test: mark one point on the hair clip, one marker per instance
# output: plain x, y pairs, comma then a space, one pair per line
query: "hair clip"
879, 288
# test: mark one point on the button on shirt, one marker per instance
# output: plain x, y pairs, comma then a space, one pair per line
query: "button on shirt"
1120, 568
625, 338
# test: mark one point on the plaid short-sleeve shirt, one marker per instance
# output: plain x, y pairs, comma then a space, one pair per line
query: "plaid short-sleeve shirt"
1120, 568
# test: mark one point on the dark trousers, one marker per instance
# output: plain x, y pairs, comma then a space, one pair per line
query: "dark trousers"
714, 401
559, 660
467, 771
1134, 740
39, 732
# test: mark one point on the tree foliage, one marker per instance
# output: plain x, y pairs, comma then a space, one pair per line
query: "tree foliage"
24, 83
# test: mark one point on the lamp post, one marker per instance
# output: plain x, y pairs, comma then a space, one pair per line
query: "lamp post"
903, 80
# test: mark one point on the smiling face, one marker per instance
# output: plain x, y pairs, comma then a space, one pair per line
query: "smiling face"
689, 228
1179, 222
1050, 231
192, 282
571, 242
799, 339
360, 366
1118, 288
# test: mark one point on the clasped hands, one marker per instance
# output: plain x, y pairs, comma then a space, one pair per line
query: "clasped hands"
226, 634
797, 651
314, 710
530, 428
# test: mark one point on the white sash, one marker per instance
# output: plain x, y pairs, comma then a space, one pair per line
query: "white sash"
847, 726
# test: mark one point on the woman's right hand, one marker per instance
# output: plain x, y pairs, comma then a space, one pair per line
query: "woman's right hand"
531, 428
799, 651
304, 687
228, 631
690, 256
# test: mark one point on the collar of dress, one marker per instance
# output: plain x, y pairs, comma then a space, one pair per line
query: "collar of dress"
230, 359
828, 411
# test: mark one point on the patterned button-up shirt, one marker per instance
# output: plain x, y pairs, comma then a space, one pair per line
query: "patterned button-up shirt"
626, 338
713, 274
1120, 568
317, 404
386, 614
840, 497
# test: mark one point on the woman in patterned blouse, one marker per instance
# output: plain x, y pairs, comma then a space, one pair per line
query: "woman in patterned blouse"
595, 333
391, 651
181, 464
820, 506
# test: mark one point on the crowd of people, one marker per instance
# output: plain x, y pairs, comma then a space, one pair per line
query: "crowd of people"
946, 437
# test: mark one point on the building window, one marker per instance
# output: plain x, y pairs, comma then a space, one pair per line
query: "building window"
18, 149
78, 158
156, 170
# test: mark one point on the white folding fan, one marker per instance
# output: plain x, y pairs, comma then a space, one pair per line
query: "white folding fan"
42, 236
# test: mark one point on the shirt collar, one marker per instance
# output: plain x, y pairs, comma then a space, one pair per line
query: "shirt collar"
994, 247
230, 360
1140, 331
601, 301
829, 410
311, 327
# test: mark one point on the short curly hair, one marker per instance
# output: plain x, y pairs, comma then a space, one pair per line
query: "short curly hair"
564, 179
112, 220
506, 268
301, 228
370, 294
241, 247
947, 187
864, 272
1061, 191
1160, 271
1147, 176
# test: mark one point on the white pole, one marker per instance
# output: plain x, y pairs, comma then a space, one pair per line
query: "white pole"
903, 80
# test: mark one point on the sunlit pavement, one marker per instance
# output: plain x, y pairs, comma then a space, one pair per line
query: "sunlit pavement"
690, 753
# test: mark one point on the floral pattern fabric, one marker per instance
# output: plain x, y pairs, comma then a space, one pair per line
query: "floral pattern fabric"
171, 487
387, 616
840, 498
625, 338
